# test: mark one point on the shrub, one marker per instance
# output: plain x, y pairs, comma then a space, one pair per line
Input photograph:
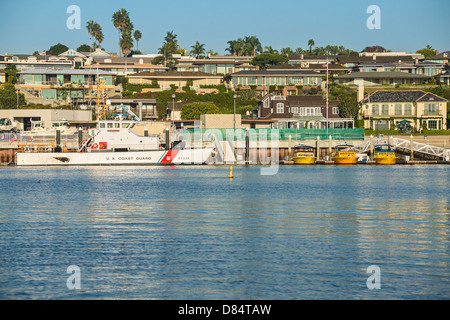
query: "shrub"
193, 111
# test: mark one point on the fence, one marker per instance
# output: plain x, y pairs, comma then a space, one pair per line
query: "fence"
282, 134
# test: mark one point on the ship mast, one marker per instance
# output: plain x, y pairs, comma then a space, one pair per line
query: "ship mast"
100, 109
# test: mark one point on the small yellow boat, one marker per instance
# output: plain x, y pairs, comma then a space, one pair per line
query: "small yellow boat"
384, 154
304, 154
344, 154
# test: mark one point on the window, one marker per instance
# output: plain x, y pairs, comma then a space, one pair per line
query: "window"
310, 112
408, 109
335, 110
432, 124
266, 103
384, 109
294, 109
295, 80
280, 108
251, 80
398, 109
431, 109
375, 109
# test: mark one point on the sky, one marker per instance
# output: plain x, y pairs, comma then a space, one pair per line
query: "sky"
406, 25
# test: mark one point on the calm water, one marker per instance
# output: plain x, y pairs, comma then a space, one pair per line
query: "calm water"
191, 233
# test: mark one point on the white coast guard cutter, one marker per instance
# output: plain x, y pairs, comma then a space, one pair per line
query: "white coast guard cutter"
114, 143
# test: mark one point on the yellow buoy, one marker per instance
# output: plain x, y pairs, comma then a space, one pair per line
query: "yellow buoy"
231, 173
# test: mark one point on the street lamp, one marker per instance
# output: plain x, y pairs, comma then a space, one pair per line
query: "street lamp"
234, 114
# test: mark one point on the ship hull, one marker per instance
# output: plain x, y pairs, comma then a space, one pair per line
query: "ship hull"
346, 160
386, 161
172, 157
304, 160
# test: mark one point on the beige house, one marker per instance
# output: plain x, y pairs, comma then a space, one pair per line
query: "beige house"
179, 79
386, 110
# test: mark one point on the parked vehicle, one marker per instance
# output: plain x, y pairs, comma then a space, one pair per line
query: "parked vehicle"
6, 125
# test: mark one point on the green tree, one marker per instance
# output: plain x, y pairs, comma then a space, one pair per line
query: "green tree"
198, 50
98, 35
122, 22
12, 73
8, 97
137, 36
168, 49
311, 44
235, 47
265, 60
348, 106
287, 51
193, 111
269, 49
84, 48
90, 29
57, 49
211, 52
427, 52
126, 43
253, 44
171, 37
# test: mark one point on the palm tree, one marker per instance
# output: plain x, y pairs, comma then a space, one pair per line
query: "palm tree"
269, 49
126, 43
232, 47
95, 31
137, 37
310, 45
235, 47
98, 34
170, 37
211, 52
198, 49
253, 43
122, 22
90, 29
287, 51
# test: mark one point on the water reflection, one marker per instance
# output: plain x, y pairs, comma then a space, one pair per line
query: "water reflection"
190, 233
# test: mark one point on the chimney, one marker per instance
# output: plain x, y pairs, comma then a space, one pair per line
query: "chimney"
374, 57
437, 52
360, 92
302, 56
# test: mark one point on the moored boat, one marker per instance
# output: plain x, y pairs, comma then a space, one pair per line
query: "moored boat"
304, 155
344, 154
113, 142
384, 154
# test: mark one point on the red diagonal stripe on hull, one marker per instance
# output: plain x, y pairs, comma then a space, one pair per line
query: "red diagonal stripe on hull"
170, 155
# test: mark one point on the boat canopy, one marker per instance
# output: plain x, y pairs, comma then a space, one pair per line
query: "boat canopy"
303, 146
345, 146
